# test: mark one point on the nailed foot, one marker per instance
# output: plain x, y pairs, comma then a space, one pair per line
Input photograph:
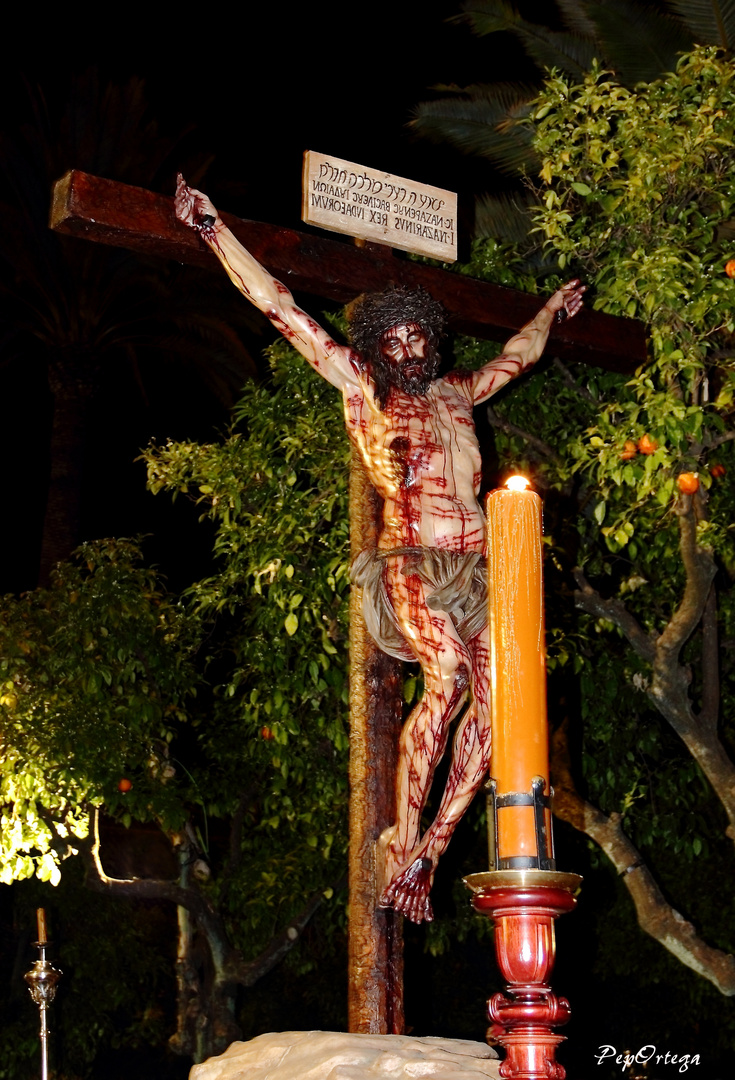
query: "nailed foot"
409, 892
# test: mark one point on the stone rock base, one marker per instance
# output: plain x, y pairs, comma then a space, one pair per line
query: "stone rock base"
332, 1055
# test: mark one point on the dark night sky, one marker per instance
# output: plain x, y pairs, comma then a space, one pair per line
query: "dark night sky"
264, 84
258, 86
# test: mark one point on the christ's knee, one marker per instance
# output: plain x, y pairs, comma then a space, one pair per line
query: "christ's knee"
456, 685
448, 675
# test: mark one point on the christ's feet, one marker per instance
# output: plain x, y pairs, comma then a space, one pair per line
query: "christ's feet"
409, 892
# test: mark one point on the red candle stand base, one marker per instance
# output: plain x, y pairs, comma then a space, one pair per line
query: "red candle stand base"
524, 905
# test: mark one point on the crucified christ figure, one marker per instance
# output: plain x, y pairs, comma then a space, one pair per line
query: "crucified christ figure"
425, 584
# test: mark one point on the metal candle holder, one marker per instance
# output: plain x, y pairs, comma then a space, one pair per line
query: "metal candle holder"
524, 896
524, 905
42, 980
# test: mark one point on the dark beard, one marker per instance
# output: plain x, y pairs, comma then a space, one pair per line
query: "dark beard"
387, 377
411, 384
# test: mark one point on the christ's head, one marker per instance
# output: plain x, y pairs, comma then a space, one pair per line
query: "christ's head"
398, 332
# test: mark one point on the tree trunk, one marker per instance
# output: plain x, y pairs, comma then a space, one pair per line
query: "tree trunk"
209, 969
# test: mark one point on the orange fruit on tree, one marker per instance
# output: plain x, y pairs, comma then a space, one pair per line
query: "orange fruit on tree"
730, 268
647, 445
718, 471
687, 482
629, 450
124, 784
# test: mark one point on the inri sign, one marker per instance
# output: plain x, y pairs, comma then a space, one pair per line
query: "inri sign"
348, 198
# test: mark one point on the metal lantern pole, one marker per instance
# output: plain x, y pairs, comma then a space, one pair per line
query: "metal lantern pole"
42, 980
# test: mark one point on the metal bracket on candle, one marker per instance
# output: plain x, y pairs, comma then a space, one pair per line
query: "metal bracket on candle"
544, 838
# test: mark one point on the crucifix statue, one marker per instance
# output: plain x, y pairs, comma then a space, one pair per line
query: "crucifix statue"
424, 587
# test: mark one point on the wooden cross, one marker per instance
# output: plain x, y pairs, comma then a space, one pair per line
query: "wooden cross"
141, 220
112, 213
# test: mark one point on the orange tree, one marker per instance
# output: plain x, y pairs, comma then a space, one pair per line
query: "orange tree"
635, 195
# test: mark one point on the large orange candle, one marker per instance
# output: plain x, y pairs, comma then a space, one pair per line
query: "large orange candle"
520, 749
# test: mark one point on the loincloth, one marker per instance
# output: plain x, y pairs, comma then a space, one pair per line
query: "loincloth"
458, 584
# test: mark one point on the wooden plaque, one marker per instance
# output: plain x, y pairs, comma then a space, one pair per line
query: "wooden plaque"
348, 198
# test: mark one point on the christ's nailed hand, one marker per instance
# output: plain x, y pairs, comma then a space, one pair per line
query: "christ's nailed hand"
193, 208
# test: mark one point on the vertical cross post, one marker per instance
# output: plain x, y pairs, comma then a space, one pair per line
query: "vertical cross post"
375, 950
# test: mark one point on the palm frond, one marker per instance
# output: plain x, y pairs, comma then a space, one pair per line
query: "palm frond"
569, 52
494, 101
557, 49
489, 16
711, 22
640, 43
576, 19
473, 127
505, 216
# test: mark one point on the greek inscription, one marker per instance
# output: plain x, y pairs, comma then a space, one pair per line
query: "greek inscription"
329, 189
370, 201
423, 216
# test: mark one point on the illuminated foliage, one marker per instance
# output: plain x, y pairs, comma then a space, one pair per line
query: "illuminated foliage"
94, 680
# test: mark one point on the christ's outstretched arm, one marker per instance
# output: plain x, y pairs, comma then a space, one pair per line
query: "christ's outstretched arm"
334, 362
527, 346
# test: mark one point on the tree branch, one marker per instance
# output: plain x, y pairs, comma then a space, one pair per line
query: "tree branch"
188, 897
510, 429
572, 383
249, 972
655, 916
710, 665
669, 689
670, 679
588, 599
699, 566
244, 972
718, 440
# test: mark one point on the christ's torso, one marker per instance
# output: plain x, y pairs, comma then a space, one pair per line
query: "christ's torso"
422, 457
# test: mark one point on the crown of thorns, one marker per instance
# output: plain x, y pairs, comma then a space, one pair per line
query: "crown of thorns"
374, 313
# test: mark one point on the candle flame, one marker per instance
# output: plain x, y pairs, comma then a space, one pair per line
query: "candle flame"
516, 483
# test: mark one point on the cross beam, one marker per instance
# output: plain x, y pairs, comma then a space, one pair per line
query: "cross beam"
131, 217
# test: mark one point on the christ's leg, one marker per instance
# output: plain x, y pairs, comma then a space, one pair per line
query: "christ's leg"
446, 663
410, 887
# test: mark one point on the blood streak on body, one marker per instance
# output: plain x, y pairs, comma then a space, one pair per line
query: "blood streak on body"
417, 450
